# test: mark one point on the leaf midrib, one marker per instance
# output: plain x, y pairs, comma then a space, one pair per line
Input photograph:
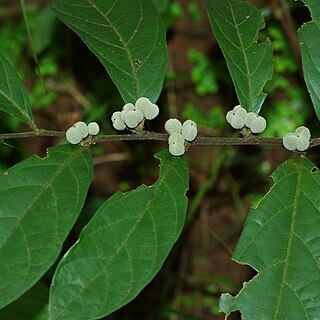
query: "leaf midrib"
45, 187
245, 58
25, 115
291, 232
87, 284
125, 46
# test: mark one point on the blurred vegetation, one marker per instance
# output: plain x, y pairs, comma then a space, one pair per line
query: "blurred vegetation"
73, 86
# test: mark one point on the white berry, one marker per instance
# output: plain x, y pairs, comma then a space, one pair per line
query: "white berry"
250, 117
236, 117
229, 116
290, 141
258, 125
93, 128
303, 131
82, 128
176, 137
172, 126
240, 112
132, 118
176, 149
303, 143
237, 122
148, 109
189, 130
298, 140
73, 135
127, 107
117, 121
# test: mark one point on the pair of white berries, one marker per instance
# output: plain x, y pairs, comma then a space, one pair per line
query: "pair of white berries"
132, 116
238, 118
178, 134
80, 130
298, 140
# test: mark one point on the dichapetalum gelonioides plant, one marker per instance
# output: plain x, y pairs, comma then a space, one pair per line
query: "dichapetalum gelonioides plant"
127, 240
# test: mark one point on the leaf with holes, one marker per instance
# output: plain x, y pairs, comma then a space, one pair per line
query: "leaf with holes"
281, 240
236, 26
310, 53
127, 36
40, 199
123, 246
14, 99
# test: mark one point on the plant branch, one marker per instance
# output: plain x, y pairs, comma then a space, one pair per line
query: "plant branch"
148, 136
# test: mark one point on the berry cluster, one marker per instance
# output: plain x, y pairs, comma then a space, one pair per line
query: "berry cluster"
238, 118
133, 115
179, 133
80, 130
298, 140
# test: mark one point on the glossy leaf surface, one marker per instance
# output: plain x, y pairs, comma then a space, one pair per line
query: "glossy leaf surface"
123, 246
236, 25
281, 240
40, 199
127, 36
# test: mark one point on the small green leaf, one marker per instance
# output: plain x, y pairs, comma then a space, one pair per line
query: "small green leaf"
40, 199
127, 36
309, 34
123, 246
13, 95
236, 26
281, 240
33, 305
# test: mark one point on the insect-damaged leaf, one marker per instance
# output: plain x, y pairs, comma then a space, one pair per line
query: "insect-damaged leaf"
236, 25
309, 34
123, 246
40, 199
127, 36
281, 240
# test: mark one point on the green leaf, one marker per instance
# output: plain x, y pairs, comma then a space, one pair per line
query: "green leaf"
236, 26
13, 95
127, 36
40, 199
123, 246
309, 34
44, 30
281, 240
161, 5
33, 305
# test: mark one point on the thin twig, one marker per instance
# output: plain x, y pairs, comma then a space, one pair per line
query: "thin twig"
149, 136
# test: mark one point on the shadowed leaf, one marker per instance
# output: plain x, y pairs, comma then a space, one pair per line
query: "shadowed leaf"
33, 305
